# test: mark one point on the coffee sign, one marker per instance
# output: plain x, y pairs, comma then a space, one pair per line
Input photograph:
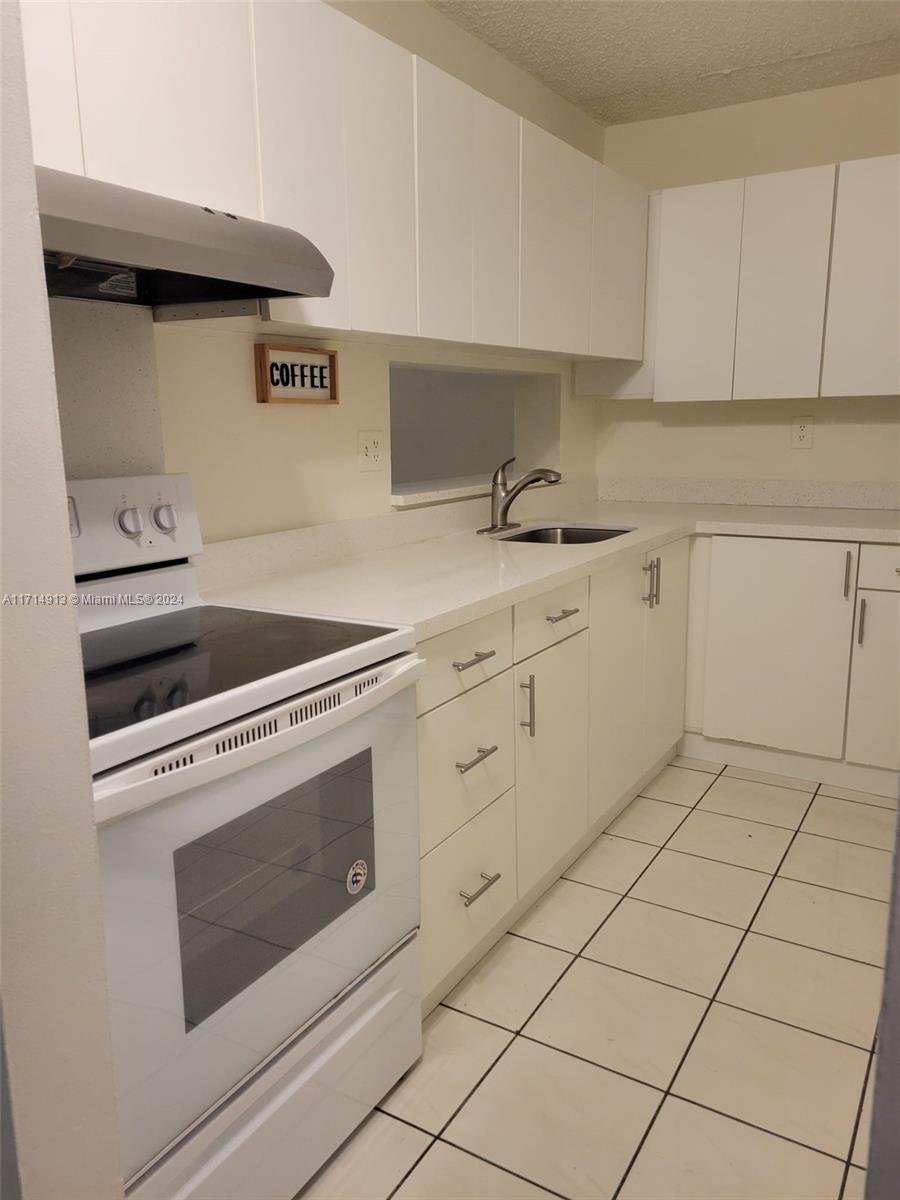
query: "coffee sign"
288, 374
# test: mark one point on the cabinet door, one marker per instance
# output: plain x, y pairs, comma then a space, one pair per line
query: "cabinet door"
303, 178
778, 643
166, 97
616, 731
784, 272
495, 223
861, 356
699, 260
52, 93
557, 216
551, 756
873, 718
665, 652
444, 168
619, 260
377, 80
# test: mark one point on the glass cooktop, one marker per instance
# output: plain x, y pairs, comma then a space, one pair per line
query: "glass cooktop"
141, 669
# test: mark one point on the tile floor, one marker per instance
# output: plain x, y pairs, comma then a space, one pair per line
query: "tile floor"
688, 1014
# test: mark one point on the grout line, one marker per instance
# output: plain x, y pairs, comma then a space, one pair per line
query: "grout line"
792, 1025
840, 891
785, 787
858, 1121
490, 1162
706, 858
889, 808
715, 812
827, 837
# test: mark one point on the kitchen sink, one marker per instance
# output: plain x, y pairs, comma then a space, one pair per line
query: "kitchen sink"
565, 535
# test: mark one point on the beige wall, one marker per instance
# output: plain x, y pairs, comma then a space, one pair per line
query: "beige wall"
856, 120
420, 28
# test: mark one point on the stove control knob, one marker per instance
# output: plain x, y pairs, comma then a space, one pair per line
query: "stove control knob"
130, 522
164, 517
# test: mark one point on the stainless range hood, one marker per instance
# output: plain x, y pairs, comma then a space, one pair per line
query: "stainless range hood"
104, 242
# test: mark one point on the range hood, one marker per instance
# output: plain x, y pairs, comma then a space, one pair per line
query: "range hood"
104, 242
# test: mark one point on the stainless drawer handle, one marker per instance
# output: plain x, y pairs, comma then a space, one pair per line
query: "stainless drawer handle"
649, 598
529, 688
483, 753
862, 621
479, 656
848, 563
561, 616
656, 583
489, 881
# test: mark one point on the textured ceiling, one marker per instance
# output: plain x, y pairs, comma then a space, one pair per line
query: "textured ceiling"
627, 60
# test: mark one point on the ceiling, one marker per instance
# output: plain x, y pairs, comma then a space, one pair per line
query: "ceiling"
627, 60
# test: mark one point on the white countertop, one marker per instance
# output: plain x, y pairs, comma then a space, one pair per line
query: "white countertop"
437, 584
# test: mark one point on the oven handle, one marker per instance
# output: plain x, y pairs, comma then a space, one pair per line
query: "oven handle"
128, 791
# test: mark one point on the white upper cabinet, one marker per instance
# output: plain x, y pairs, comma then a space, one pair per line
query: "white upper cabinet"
302, 160
52, 92
444, 171
557, 216
166, 98
861, 342
618, 265
379, 148
699, 261
784, 275
495, 223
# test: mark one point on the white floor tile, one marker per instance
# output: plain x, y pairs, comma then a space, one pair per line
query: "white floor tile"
612, 863
841, 865
785, 781
731, 840
619, 1021
687, 952
860, 1154
677, 785
781, 1079
829, 789
446, 1173
509, 982
756, 801
458, 1050
702, 887
567, 914
817, 991
855, 1187
697, 764
646, 820
692, 1154
825, 920
371, 1164
563, 1123
861, 823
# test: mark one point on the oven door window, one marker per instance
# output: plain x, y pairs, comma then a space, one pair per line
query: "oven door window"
255, 889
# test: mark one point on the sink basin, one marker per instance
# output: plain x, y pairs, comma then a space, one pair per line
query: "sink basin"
565, 535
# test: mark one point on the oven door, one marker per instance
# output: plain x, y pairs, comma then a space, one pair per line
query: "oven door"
249, 878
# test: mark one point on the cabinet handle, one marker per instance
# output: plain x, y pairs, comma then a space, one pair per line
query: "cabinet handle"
479, 656
529, 688
489, 881
862, 621
483, 753
650, 597
562, 614
848, 563
657, 578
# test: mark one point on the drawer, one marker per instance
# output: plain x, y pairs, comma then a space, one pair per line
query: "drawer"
540, 622
462, 658
474, 730
879, 568
451, 928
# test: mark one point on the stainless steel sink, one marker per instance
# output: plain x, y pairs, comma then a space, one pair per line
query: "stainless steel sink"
564, 535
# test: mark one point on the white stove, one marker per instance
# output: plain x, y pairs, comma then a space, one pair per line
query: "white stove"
256, 804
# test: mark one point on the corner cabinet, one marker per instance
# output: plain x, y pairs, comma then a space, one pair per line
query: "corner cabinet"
873, 711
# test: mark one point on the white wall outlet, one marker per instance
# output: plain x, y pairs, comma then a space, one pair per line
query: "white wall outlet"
802, 432
370, 448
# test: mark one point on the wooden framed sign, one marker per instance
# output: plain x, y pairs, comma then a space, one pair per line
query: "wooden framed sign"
295, 374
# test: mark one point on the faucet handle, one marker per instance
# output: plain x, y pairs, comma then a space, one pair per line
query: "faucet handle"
500, 473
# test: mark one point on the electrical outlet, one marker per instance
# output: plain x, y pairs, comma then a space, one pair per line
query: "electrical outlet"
370, 448
802, 433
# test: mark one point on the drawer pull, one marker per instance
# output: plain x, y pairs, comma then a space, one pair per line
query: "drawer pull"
649, 598
530, 723
561, 616
471, 897
483, 753
656, 579
848, 566
479, 656
862, 621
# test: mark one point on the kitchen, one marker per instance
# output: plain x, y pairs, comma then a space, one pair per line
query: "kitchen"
652, 711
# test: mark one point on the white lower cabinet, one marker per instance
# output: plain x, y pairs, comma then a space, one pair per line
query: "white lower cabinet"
551, 756
873, 715
665, 651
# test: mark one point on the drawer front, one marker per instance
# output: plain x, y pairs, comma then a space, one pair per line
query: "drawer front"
879, 568
466, 758
547, 619
450, 927
462, 658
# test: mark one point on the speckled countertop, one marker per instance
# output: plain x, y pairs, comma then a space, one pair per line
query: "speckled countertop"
441, 582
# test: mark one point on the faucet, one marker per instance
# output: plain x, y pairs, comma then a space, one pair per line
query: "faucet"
502, 496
